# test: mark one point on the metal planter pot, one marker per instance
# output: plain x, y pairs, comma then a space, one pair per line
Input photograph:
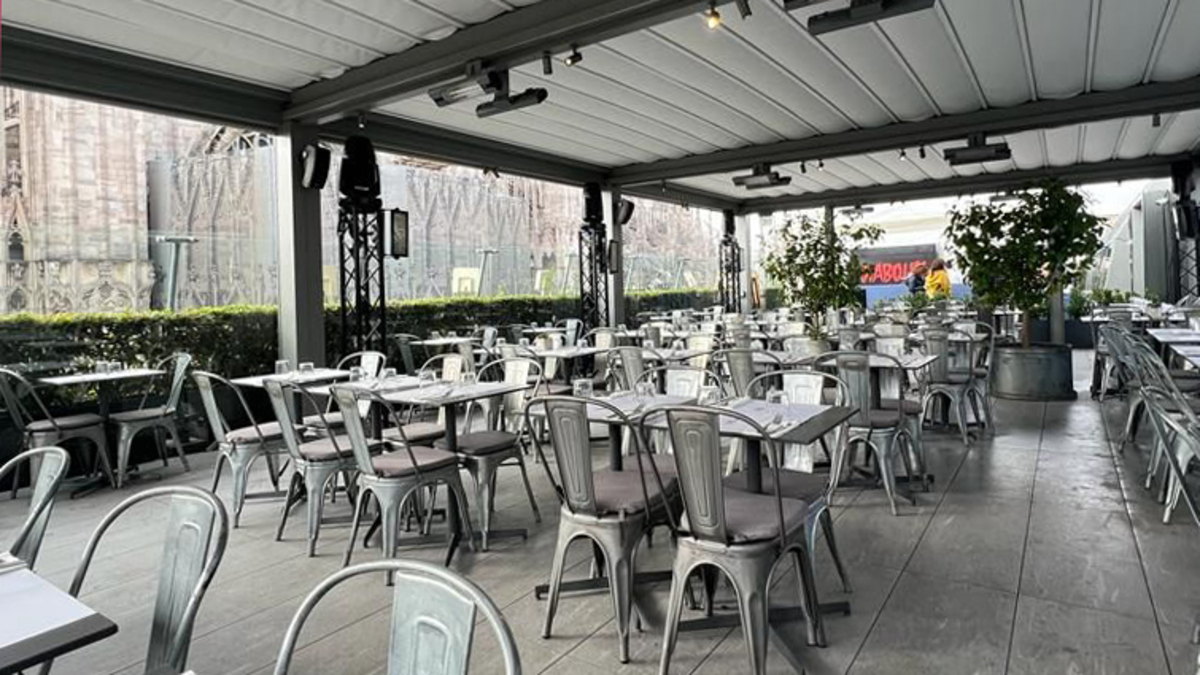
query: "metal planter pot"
1040, 372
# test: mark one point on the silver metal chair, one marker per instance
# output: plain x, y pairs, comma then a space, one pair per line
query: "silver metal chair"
240, 447
372, 363
397, 474
483, 452
315, 459
614, 509
158, 418
197, 531
44, 429
432, 622
741, 365
744, 535
945, 381
628, 364
47, 467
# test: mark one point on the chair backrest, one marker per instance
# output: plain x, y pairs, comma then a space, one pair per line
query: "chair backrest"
684, 381
405, 340
854, 370
848, 339
603, 338
280, 392
573, 327
348, 401
433, 618
452, 366
653, 333
803, 346
14, 387
197, 530
703, 343
208, 383
177, 365
1180, 442
371, 362
891, 330
696, 439
516, 370
805, 387
47, 467
629, 364
739, 366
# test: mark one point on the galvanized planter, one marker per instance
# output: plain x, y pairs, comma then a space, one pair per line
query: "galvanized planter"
1040, 372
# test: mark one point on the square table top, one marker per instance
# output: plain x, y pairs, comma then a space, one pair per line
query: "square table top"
627, 402
1181, 336
381, 386
451, 393
879, 362
96, 378
49, 622
566, 352
442, 341
316, 376
787, 423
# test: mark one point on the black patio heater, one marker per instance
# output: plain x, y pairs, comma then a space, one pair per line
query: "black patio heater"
729, 271
593, 260
361, 235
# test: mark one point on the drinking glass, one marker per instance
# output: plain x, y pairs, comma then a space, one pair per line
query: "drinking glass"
388, 373
776, 396
524, 342
426, 378
282, 367
644, 389
709, 395
582, 387
102, 366
306, 368
501, 341
357, 373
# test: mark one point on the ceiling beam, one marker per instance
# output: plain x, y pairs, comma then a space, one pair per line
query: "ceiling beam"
393, 134
684, 196
1079, 174
45, 63
509, 40
1147, 99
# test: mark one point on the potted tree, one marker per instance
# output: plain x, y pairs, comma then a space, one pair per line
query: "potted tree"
1016, 255
817, 266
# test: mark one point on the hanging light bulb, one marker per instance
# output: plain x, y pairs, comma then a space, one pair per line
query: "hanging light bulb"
921, 152
903, 155
803, 167
573, 58
820, 165
712, 17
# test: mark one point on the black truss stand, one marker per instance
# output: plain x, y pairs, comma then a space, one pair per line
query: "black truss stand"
593, 261
361, 234
730, 267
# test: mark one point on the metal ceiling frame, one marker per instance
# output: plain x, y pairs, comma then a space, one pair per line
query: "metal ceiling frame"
1155, 166
46, 63
511, 39
1146, 99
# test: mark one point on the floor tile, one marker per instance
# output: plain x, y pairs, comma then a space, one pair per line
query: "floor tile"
1051, 638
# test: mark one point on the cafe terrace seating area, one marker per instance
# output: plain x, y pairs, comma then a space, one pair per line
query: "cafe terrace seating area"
1042, 543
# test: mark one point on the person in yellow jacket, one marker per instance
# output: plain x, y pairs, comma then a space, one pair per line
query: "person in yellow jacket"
937, 283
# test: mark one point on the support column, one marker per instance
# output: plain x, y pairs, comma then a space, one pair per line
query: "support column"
616, 259
729, 266
747, 227
301, 303
593, 263
1058, 316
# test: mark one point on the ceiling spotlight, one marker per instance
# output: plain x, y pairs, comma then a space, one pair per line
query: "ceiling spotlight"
820, 165
743, 7
977, 150
1156, 121
803, 167
863, 11
858, 211
712, 18
547, 63
762, 177
574, 57
903, 155
921, 152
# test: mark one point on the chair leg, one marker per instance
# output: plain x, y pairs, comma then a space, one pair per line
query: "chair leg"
827, 527
220, 464
359, 506
537, 515
482, 473
883, 458
807, 582
751, 585
454, 485
316, 481
556, 574
239, 464
679, 585
124, 447
99, 438
173, 431
619, 556
293, 496
960, 406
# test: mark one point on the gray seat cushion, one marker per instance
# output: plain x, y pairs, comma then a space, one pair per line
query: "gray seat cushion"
420, 432
322, 449
753, 517
143, 415
808, 487
621, 491
554, 389
483, 442
911, 407
332, 418
398, 462
271, 431
65, 422
879, 419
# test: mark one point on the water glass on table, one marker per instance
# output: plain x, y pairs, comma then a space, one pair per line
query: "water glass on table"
582, 388
282, 367
306, 368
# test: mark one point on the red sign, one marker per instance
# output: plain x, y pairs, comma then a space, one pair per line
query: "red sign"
889, 272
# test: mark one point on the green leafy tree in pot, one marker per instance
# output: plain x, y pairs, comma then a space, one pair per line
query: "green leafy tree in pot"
816, 264
1015, 254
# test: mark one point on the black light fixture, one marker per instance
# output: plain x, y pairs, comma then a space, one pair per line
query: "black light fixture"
921, 152
743, 7
547, 63
1156, 121
502, 102
712, 17
624, 211
762, 177
803, 167
903, 155
473, 83
574, 57
977, 150
862, 11
820, 165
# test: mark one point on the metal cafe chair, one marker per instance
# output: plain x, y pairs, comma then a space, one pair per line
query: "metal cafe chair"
197, 530
433, 619
372, 363
315, 459
47, 467
946, 382
240, 447
407, 359
483, 452
742, 534
628, 364
44, 429
397, 474
158, 418
613, 509
740, 366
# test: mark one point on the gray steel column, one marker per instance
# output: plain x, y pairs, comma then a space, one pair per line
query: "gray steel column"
746, 227
301, 300
616, 259
1058, 316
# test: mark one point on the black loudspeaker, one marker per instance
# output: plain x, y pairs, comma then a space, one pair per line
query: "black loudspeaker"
730, 224
624, 211
314, 164
593, 203
359, 180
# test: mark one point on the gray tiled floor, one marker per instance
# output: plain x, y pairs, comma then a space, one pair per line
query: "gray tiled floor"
1036, 551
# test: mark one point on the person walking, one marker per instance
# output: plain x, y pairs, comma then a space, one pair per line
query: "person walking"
937, 284
916, 279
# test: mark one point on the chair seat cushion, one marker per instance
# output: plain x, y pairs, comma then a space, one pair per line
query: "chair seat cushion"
554, 389
911, 407
399, 463
958, 377
332, 418
143, 415
980, 372
880, 419
621, 491
753, 517
271, 431
483, 442
808, 487
420, 433
323, 449
65, 422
